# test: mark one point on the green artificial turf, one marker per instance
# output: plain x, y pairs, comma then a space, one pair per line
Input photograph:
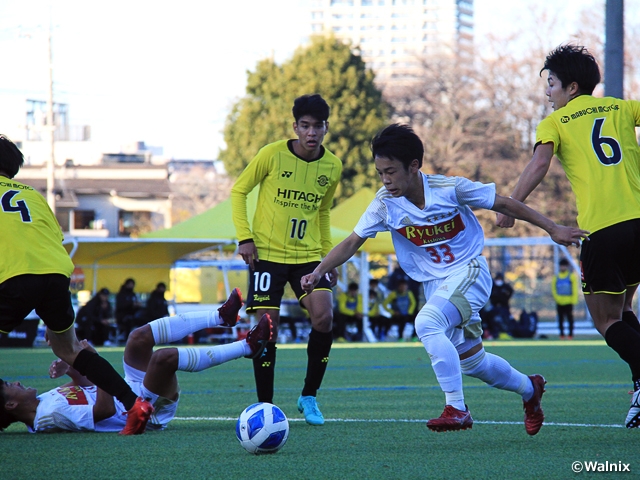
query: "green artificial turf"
375, 399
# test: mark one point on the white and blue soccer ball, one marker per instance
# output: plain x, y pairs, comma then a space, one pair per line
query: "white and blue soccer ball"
262, 428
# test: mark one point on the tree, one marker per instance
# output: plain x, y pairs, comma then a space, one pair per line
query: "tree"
196, 187
328, 67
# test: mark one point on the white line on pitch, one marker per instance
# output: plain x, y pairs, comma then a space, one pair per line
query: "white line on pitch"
402, 420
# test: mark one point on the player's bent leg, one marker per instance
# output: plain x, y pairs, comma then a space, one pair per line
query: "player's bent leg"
196, 359
319, 304
175, 328
497, 372
139, 348
434, 330
160, 377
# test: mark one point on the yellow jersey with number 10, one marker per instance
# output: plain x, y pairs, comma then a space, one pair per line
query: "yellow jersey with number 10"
30, 236
595, 140
292, 220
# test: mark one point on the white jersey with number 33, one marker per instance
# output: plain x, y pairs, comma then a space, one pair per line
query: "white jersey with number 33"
432, 242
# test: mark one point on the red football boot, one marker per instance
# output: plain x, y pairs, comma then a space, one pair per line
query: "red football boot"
451, 419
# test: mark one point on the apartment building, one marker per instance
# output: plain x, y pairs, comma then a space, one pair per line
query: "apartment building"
394, 35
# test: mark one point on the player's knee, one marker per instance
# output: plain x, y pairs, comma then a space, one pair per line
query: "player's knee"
322, 321
165, 359
472, 366
141, 338
430, 321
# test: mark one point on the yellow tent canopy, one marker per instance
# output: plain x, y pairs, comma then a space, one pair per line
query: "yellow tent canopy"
217, 222
107, 262
346, 215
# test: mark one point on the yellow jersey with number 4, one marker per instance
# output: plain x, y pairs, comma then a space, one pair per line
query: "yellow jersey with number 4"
595, 140
292, 220
30, 236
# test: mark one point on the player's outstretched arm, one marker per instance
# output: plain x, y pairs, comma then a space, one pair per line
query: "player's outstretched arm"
531, 177
336, 257
560, 234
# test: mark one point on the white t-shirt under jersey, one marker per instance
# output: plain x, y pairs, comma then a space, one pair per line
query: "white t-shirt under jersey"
432, 242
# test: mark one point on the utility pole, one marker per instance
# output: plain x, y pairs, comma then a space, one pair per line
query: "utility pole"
51, 196
614, 49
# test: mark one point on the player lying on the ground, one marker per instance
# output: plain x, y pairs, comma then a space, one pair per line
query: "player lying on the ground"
81, 406
35, 271
439, 242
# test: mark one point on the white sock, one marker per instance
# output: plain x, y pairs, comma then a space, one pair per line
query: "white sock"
446, 365
498, 373
456, 400
196, 359
172, 329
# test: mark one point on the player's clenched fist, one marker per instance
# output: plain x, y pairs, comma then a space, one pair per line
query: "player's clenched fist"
308, 282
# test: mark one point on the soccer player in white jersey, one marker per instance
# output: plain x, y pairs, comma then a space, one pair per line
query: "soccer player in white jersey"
438, 241
81, 406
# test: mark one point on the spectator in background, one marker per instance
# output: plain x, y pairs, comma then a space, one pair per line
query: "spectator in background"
94, 318
564, 287
500, 314
157, 306
349, 311
402, 303
399, 274
379, 323
127, 306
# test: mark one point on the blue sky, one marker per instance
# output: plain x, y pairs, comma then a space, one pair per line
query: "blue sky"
167, 73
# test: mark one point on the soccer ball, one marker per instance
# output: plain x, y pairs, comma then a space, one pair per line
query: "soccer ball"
262, 428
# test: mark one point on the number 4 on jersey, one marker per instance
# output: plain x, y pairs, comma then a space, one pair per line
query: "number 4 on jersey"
20, 206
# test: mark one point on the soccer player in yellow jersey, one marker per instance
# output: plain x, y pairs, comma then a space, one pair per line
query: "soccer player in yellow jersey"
288, 237
34, 275
595, 141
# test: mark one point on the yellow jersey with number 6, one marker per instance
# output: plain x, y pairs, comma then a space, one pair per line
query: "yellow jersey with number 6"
292, 220
595, 140
30, 236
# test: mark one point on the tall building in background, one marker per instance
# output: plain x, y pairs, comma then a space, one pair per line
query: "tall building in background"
394, 35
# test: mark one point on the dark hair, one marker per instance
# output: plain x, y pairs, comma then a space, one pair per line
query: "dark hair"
6, 418
353, 286
564, 261
161, 285
104, 291
313, 105
573, 63
11, 158
499, 275
398, 142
